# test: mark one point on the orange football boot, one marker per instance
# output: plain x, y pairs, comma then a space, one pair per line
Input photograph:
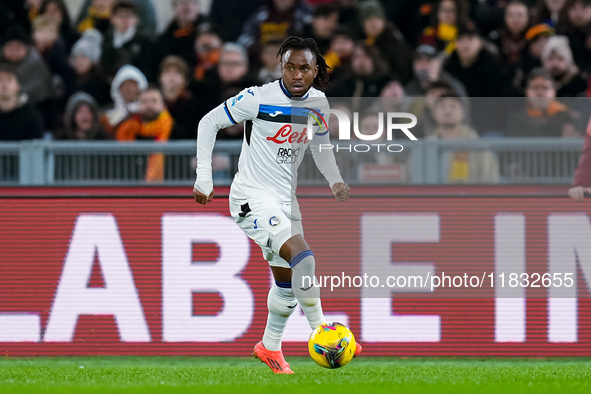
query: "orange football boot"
274, 359
358, 349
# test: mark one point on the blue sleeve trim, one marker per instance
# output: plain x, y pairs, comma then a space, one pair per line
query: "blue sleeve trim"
283, 285
228, 113
295, 261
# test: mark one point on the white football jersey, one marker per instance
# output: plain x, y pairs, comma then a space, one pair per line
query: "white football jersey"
275, 139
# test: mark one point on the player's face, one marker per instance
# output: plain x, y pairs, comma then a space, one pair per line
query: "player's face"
298, 71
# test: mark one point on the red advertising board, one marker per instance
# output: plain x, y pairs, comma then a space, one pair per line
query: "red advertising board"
93, 274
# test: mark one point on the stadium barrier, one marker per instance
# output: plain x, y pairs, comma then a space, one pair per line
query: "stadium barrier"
534, 161
146, 271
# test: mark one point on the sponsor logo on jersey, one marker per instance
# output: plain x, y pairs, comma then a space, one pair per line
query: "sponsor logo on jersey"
251, 92
274, 221
288, 155
286, 134
237, 99
275, 114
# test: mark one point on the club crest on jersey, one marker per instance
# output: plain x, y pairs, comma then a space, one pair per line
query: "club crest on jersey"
286, 134
274, 221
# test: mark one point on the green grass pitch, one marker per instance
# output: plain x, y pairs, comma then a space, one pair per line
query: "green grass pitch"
239, 375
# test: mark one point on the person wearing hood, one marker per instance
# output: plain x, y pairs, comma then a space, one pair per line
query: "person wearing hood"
81, 120
557, 58
125, 90
84, 60
20, 119
461, 166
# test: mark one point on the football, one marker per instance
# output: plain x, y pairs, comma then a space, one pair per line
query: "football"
332, 345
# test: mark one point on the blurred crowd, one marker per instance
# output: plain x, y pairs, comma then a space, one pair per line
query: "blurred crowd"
466, 68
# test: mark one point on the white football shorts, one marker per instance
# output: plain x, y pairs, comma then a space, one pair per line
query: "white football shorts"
268, 223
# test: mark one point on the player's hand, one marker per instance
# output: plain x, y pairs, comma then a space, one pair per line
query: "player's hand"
577, 193
202, 198
341, 191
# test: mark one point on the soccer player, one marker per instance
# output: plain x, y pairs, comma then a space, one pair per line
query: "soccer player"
262, 197
582, 182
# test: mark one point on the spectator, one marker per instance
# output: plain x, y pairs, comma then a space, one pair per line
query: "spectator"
547, 11
471, 62
422, 107
338, 57
227, 80
558, 59
208, 47
427, 67
367, 78
461, 166
183, 107
84, 60
33, 75
582, 181
443, 30
81, 120
58, 11
32, 8
349, 17
537, 37
324, 24
20, 120
271, 67
124, 44
12, 12
392, 99
542, 115
386, 38
510, 39
98, 16
152, 122
145, 9
276, 20
231, 74
180, 35
53, 50
228, 16
575, 23
125, 91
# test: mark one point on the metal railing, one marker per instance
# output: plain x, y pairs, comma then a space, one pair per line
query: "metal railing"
519, 161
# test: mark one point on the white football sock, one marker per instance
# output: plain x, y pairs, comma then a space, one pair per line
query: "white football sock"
281, 304
305, 287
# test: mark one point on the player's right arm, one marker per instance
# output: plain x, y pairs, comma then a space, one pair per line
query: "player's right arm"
243, 106
582, 182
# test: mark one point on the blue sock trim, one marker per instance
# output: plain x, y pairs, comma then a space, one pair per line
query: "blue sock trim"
283, 285
300, 257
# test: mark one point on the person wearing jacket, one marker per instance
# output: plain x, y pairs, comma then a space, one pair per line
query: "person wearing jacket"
19, 118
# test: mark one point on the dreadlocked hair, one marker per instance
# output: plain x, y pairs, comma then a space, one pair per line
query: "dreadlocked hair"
321, 81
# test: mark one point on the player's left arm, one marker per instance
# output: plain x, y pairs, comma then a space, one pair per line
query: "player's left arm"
322, 152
